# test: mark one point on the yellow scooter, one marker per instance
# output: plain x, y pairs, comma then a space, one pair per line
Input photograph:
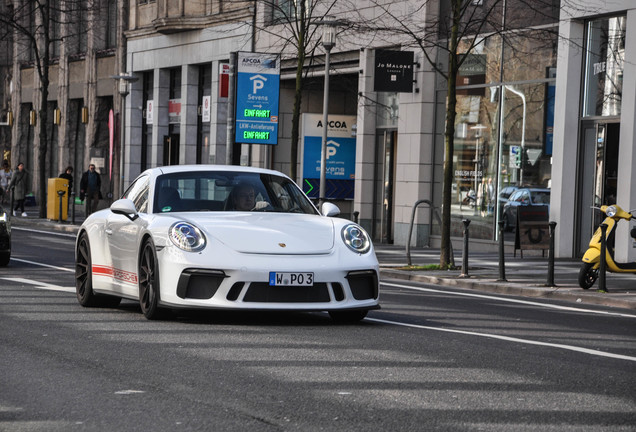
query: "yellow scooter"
591, 260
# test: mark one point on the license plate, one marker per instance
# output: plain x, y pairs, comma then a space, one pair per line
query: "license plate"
291, 279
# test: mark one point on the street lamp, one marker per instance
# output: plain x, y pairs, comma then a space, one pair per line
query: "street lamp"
523, 128
124, 82
328, 42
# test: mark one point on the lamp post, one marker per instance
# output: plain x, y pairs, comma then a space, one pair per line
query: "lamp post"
328, 42
124, 81
523, 128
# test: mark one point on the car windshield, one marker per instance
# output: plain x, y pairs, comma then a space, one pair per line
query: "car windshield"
228, 191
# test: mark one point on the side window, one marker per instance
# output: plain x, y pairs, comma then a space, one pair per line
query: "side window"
138, 193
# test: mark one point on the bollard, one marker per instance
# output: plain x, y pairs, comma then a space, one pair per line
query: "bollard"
602, 267
464, 274
355, 216
73, 207
502, 262
60, 193
11, 202
550, 282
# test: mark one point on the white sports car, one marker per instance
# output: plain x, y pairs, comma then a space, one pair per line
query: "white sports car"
209, 236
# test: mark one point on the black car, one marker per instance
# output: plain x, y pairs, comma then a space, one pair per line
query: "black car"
504, 194
5, 237
523, 197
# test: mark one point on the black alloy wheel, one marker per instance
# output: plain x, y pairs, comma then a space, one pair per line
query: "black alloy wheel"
5, 257
84, 278
149, 281
587, 275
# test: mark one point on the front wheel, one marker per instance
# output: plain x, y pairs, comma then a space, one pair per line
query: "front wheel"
149, 281
5, 257
587, 275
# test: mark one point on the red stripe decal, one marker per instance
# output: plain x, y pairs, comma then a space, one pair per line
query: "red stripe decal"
117, 274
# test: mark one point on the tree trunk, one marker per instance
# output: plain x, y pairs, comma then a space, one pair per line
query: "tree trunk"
445, 258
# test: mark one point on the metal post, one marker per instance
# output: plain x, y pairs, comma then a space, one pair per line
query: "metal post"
550, 282
11, 201
502, 262
325, 129
356, 214
602, 268
464, 274
73, 207
60, 193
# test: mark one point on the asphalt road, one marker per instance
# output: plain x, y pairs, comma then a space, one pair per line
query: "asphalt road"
432, 359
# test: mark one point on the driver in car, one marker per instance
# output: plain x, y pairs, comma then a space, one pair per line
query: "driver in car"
244, 198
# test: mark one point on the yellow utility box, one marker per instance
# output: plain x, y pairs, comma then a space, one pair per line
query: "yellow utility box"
53, 199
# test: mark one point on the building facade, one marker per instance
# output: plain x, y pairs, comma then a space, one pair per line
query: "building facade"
538, 92
595, 159
84, 52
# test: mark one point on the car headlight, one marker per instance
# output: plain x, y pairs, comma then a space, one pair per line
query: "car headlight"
356, 238
611, 211
186, 236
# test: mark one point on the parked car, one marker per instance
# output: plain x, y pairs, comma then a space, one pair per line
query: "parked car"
208, 236
504, 194
523, 197
5, 237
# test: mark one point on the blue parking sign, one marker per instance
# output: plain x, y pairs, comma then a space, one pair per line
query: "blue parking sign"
257, 96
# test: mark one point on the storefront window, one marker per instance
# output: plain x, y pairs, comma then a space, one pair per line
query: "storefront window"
475, 159
605, 54
525, 160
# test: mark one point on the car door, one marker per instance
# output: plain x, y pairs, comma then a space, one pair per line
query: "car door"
123, 239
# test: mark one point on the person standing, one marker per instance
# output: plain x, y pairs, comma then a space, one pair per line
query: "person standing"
68, 176
18, 185
90, 187
5, 178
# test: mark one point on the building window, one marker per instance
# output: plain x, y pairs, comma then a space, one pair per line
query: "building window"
604, 59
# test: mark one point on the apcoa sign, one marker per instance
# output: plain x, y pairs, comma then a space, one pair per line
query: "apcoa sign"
257, 95
340, 155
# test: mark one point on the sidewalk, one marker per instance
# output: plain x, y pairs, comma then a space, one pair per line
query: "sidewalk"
525, 276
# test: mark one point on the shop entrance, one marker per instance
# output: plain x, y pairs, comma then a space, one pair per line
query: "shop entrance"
597, 176
171, 149
384, 186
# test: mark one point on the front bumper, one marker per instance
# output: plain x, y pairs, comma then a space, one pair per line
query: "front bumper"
342, 281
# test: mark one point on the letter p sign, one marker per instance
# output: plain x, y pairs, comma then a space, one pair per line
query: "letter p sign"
258, 82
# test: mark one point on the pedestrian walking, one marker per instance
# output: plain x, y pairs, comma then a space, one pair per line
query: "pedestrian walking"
5, 178
90, 188
18, 185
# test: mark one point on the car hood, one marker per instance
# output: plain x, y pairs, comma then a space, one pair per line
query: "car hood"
269, 233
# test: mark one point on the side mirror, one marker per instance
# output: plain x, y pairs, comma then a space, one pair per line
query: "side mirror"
125, 207
330, 210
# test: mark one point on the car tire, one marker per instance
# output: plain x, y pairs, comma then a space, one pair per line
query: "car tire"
587, 275
506, 226
149, 281
4, 259
84, 278
348, 317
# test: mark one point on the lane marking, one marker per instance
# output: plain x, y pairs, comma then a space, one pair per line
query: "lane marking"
43, 232
510, 300
40, 285
43, 265
509, 339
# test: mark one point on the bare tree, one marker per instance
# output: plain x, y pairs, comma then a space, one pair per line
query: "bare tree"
34, 29
454, 29
293, 27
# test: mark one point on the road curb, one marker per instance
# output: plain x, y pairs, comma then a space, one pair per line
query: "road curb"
572, 294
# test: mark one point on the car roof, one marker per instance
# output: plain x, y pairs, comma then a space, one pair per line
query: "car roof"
221, 168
